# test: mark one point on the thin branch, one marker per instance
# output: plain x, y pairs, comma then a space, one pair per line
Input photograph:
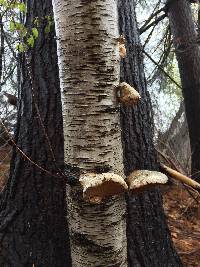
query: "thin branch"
39, 115
154, 14
8, 76
180, 177
25, 156
155, 22
178, 85
149, 36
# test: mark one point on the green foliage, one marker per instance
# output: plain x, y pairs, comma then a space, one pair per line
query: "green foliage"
22, 7
12, 26
31, 41
35, 33
36, 22
25, 38
13, 5
20, 47
50, 22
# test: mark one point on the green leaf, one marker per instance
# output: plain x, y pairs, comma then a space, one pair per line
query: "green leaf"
35, 33
36, 22
49, 24
31, 41
19, 26
22, 7
20, 47
47, 29
12, 26
3, 3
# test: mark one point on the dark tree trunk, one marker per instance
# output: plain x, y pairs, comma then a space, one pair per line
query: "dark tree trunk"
188, 56
33, 228
149, 241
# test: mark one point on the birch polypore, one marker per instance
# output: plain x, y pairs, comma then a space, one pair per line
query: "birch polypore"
141, 180
122, 47
88, 55
97, 186
128, 96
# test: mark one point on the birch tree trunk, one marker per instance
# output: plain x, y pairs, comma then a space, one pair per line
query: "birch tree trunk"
88, 53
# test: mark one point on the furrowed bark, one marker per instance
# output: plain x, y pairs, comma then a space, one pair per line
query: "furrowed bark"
33, 229
88, 52
149, 242
188, 57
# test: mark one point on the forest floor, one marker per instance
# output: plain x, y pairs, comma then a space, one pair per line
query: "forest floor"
181, 209
183, 215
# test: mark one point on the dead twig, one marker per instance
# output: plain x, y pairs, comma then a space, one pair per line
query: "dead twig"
180, 177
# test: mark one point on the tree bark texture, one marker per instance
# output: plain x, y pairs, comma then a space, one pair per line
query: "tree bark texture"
149, 241
188, 57
89, 61
33, 226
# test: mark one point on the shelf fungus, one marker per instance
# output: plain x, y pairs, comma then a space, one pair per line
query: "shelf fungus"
97, 187
122, 48
127, 95
140, 180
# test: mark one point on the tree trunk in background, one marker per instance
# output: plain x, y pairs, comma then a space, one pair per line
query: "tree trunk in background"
188, 56
175, 143
89, 64
149, 241
32, 217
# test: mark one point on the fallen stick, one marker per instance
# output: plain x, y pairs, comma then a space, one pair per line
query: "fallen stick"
180, 177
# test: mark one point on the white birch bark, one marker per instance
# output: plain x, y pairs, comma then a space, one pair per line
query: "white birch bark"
88, 52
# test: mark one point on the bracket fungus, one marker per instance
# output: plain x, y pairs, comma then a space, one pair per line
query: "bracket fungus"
140, 180
97, 187
128, 96
122, 48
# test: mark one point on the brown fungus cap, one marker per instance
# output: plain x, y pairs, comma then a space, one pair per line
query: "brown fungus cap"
141, 180
128, 95
97, 187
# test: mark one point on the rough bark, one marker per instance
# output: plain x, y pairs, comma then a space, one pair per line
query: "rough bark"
32, 221
149, 241
88, 52
2, 48
188, 57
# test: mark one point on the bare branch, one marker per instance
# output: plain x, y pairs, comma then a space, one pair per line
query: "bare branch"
180, 177
155, 22
161, 69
